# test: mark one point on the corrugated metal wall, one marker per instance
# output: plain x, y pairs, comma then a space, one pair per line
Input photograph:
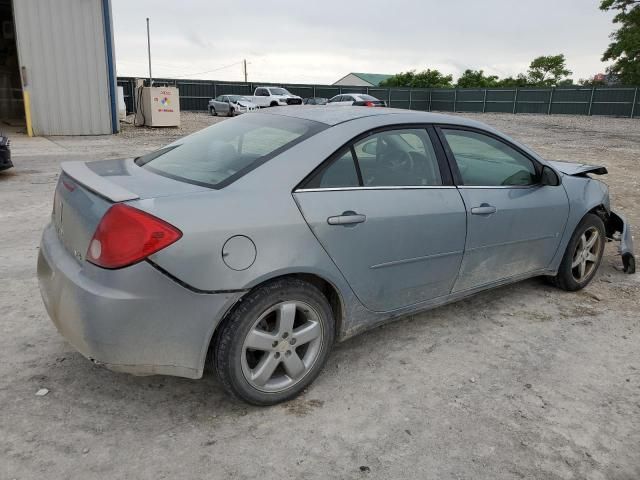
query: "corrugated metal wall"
61, 45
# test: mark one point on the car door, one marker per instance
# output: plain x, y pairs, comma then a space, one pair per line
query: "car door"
514, 223
385, 210
222, 106
262, 97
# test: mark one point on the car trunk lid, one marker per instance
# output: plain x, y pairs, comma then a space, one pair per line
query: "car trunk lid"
86, 190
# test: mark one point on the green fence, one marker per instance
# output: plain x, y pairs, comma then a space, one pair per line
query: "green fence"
612, 101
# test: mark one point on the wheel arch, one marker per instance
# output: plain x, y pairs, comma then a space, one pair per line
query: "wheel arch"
326, 287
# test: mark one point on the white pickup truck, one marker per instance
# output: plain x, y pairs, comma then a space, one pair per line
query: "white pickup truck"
273, 97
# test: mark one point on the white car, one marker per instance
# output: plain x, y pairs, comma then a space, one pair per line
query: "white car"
274, 97
231, 105
357, 99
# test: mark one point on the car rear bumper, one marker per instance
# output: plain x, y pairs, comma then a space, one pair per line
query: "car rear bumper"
134, 320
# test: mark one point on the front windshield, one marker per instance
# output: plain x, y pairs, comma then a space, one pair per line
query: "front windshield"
279, 91
234, 98
221, 153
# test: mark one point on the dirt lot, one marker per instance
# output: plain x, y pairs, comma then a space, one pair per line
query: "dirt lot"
521, 382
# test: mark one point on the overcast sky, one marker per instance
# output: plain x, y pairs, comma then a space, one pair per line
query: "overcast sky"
319, 42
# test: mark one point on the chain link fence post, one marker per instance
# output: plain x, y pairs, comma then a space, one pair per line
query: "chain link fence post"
551, 92
515, 101
484, 101
635, 102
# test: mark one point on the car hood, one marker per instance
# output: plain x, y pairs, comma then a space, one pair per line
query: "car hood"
577, 169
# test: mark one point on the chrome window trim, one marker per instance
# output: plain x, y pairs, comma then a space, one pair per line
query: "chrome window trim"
486, 187
416, 187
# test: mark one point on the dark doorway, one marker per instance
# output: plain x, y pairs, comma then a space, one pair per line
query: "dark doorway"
11, 103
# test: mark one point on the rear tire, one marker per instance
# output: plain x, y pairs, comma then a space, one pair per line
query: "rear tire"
583, 255
275, 342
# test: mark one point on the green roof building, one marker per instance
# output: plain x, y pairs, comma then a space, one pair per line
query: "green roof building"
363, 79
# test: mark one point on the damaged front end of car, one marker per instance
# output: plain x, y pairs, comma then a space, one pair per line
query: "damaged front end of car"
616, 226
618, 229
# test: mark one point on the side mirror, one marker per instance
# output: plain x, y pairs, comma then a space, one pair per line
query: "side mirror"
549, 177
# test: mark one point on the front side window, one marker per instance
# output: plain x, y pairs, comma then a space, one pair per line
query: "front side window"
486, 161
223, 152
398, 158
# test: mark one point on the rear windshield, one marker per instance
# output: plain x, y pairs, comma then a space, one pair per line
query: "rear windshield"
222, 153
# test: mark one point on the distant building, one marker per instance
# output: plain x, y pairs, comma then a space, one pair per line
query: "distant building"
363, 79
607, 79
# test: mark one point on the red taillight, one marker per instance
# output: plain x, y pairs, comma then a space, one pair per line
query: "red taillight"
127, 235
370, 104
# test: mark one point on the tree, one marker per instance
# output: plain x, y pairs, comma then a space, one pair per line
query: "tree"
425, 79
548, 71
592, 82
476, 79
510, 82
625, 46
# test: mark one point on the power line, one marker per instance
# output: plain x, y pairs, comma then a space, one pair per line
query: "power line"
209, 71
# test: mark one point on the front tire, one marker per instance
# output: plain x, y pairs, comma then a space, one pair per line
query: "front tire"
212, 111
583, 255
275, 342
274, 104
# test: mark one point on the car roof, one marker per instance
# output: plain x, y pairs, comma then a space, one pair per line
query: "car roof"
333, 115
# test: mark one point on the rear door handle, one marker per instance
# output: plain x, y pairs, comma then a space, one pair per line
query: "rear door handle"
484, 209
347, 218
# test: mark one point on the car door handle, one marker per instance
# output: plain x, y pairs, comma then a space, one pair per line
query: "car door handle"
484, 209
347, 218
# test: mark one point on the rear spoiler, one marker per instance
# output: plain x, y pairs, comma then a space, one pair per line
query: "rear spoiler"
577, 169
99, 185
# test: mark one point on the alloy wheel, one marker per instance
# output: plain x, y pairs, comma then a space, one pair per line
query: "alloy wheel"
586, 255
282, 346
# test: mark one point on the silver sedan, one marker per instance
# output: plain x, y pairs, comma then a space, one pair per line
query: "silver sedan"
231, 105
257, 243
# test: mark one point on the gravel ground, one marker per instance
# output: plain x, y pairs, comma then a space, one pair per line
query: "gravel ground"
524, 381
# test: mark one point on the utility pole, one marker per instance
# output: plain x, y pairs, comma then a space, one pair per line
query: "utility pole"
149, 53
244, 65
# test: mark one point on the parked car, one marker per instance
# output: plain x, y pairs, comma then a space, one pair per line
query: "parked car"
256, 243
315, 101
357, 99
274, 97
5, 153
231, 105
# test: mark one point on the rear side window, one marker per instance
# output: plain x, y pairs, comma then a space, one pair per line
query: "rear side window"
486, 161
392, 158
398, 158
339, 173
222, 153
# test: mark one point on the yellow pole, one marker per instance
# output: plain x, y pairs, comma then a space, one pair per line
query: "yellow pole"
27, 111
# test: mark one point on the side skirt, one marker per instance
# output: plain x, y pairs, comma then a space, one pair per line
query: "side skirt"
361, 320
